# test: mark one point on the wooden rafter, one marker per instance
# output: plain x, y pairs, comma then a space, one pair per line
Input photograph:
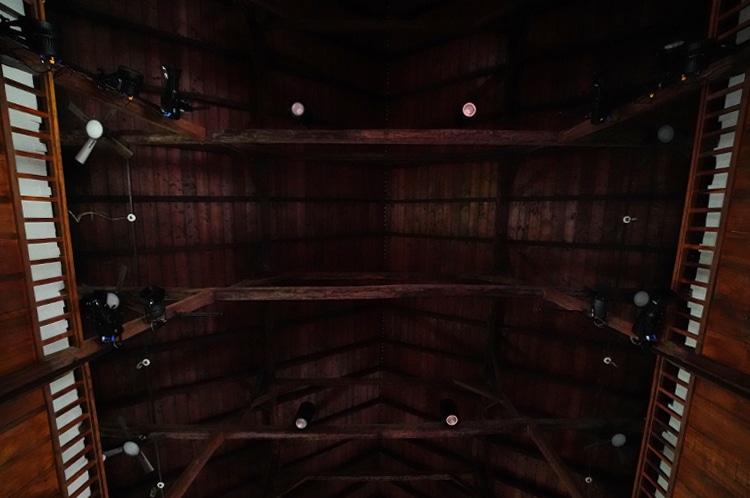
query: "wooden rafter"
550, 453
180, 487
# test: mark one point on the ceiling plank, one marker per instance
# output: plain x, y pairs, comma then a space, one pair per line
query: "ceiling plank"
180, 487
378, 476
372, 431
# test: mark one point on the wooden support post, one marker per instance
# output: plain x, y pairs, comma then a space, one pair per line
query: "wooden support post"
183, 482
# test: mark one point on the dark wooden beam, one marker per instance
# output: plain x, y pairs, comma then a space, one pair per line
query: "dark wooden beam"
535, 433
301, 393
384, 291
375, 431
180, 487
457, 137
449, 355
377, 476
355, 382
315, 454
104, 19
326, 353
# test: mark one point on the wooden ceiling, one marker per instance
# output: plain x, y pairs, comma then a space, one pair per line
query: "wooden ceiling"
309, 213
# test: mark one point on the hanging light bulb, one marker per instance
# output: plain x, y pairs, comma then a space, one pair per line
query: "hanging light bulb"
304, 416
449, 412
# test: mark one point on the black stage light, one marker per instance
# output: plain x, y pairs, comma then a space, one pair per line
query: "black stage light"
154, 307
172, 102
125, 81
37, 35
100, 310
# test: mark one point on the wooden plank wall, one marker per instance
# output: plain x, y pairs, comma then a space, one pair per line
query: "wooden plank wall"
715, 447
27, 458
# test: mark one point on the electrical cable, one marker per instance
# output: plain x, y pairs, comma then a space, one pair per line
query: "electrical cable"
79, 216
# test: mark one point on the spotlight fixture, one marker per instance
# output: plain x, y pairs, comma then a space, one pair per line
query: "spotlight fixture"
649, 320
681, 60
152, 298
304, 416
172, 101
599, 300
125, 81
449, 412
39, 36
100, 310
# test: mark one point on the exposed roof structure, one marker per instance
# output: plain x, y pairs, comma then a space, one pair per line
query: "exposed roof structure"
383, 252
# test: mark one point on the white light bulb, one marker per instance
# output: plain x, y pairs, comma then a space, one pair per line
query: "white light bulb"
640, 299
298, 109
112, 300
94, 129
618, 440
665, 134
469, 109
300, 423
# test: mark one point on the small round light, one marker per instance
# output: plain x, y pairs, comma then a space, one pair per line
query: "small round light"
451, 420
588, 480
641, 298
618, 440
131, 217
94, 129
665, 134
298, 109
469, 109
300, 423
160, 485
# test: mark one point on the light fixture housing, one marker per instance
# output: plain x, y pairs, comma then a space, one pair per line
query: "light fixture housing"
126, 81
304, 416
449, 412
